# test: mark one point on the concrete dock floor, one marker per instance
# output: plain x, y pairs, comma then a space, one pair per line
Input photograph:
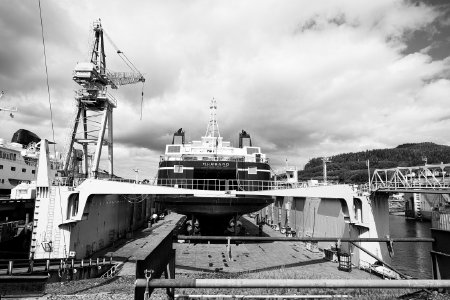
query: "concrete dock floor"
258, 257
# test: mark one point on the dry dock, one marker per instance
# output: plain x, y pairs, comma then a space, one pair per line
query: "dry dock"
201, 260
257, 257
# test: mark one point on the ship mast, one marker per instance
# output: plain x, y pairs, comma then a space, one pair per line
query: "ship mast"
213, 127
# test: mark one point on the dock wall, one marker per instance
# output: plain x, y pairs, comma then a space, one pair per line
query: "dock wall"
105, 219
350, 217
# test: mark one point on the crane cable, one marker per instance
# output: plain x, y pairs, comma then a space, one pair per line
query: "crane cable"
142, 98
129, 64
122, 55
51, 111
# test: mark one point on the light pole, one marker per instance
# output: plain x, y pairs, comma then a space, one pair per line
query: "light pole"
137, 175
325, 160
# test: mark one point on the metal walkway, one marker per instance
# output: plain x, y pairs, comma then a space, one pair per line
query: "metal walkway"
419, 179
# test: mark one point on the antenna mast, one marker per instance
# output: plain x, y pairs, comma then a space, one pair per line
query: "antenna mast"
213, 126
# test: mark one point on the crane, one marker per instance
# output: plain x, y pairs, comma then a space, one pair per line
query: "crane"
95, 105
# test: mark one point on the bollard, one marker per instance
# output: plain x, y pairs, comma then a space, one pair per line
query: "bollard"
229, 249
90, 262
82, 262
10, 267
47, 265
104, 260
98, 261
30, 267
72, 263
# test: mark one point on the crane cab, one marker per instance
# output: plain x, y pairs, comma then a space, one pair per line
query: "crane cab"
85, 73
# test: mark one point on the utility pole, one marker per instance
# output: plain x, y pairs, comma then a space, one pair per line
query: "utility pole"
137, 174
325, 160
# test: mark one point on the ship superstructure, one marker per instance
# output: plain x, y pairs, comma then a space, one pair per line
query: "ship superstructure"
19, 159
214, 164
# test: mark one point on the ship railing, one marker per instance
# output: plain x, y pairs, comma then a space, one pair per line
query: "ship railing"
228, 184
67, 181
208, 158
197, 184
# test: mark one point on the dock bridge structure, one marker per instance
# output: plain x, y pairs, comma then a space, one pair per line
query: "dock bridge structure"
427, 185
76, 218
430, 178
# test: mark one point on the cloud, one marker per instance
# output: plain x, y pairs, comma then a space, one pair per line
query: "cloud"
304, 79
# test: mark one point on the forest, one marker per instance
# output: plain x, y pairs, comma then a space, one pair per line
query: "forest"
352, 167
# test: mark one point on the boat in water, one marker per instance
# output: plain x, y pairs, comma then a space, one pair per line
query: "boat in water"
215, 165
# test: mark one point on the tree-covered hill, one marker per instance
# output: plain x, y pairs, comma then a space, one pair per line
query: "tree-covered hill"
352, 168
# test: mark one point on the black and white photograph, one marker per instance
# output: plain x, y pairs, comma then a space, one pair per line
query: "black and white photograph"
194, 149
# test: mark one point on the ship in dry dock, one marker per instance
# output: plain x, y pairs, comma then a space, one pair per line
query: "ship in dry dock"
215, 165
81, 213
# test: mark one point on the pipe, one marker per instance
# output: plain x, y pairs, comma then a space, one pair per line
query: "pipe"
380, 260
292, 283
183, 296
301, 239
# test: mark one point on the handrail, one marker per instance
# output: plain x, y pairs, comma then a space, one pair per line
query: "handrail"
217, 157
428, 177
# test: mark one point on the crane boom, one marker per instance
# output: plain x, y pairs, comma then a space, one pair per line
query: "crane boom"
122, 78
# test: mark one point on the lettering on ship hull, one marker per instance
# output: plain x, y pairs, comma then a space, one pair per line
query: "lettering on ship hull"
216, 164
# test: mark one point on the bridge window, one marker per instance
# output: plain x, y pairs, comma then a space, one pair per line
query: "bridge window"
24, 170
13, 168
252, 150
178, 168
33, 171
252, 170
1, 167
173, 149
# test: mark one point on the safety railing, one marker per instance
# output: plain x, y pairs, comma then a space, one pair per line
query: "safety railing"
197, 184
428, 177
228, 184
212, 158
27, 266
148, 278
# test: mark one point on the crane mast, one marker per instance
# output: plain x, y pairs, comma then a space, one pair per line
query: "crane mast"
94, 110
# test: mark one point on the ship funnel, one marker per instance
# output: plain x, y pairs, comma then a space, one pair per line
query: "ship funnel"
244, 139
178, 137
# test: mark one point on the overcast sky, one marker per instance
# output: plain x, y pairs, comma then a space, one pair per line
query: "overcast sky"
304, 78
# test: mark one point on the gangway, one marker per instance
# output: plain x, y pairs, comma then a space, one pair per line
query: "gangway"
430, 178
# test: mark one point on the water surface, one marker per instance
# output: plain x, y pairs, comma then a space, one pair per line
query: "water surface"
413, 259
